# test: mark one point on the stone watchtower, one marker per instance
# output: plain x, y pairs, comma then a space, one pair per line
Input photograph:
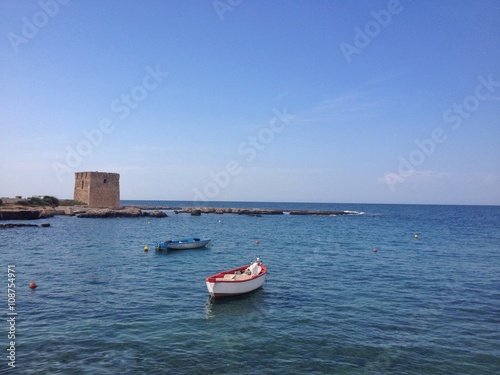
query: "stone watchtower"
98, 189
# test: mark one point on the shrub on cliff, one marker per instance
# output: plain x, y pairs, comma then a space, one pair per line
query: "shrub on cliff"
35, 201
1, 202
51, 201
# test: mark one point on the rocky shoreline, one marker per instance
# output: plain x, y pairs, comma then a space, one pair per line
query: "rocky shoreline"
16, 213
197, 211
149, 211
23, 214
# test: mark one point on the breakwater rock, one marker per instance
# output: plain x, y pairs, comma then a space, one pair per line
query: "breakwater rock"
25, 214
197, 211
322, 213
125, 212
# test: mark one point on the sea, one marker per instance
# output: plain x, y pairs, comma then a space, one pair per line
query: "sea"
427, 301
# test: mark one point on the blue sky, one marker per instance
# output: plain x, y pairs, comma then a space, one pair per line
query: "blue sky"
312, 101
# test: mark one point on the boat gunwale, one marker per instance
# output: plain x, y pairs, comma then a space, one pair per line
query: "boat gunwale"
218, 277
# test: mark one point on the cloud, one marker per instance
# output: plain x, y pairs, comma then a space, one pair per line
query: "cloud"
361, 103
419, 176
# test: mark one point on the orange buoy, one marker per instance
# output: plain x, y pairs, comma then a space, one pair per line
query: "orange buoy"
33, 285
374, 249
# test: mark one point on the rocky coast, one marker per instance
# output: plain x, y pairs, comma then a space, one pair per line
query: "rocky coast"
33, 213
122, 212
196, 211
27, 214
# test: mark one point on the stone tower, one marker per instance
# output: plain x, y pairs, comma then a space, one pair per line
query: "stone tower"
98, 189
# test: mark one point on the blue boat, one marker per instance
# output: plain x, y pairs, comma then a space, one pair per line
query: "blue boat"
184, 244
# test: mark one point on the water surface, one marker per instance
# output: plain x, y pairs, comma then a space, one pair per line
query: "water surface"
329, 305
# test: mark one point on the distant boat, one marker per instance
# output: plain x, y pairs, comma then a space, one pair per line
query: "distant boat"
184, 244
237, 281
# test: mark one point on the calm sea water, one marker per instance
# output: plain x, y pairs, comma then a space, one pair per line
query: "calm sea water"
330, 304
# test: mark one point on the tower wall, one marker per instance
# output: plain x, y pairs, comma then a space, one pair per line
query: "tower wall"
82, 187
98, 189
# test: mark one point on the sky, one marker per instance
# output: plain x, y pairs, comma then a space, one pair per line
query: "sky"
264, 100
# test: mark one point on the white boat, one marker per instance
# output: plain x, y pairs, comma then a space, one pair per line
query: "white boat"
237, 281
184, 244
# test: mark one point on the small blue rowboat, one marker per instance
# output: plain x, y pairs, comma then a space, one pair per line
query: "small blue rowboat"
184, 244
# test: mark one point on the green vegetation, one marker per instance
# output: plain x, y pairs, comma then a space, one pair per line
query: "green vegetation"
51, 201
45, 201
37, 202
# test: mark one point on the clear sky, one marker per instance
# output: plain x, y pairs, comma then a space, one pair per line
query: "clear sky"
263, 100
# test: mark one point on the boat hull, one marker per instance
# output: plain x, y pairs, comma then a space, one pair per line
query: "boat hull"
228, 283
183, 244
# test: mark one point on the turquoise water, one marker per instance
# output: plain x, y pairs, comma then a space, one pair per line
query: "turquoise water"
330, 305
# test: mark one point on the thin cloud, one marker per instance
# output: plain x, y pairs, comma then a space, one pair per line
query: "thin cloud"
358, 103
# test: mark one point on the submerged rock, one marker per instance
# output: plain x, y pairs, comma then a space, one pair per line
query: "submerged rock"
8, 226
